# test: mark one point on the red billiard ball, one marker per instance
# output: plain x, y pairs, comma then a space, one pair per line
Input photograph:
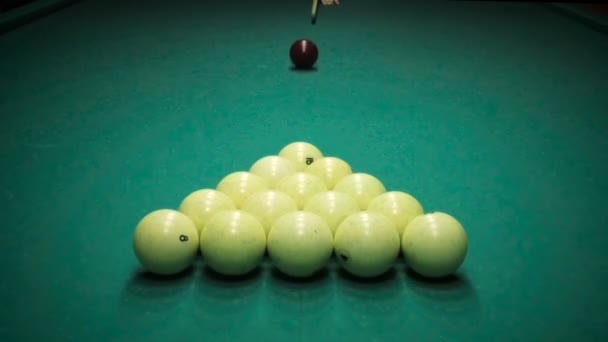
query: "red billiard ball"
303, 54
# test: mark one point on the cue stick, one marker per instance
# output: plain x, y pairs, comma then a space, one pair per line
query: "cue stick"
315, 7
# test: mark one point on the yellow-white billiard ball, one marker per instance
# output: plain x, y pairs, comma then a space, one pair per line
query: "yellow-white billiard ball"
398, 206
366, 244
165, 242
269, 205
233, 243
273, 168
300, 244
332, 206
301, 186
201, 205
240, 185
330, 169
301, 153
434, 245
362, 186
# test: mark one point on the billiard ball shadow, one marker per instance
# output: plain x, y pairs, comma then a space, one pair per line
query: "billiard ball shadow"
318, 276
218, 285
385, 277
455, 288
452, 281
303, 70
156, 295
210, 275
152, 286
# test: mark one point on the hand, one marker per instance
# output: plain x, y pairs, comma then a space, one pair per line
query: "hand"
330, 2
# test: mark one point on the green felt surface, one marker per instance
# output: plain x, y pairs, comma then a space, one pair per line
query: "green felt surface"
493, 112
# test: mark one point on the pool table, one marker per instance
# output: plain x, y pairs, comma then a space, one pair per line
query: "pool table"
493, 112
